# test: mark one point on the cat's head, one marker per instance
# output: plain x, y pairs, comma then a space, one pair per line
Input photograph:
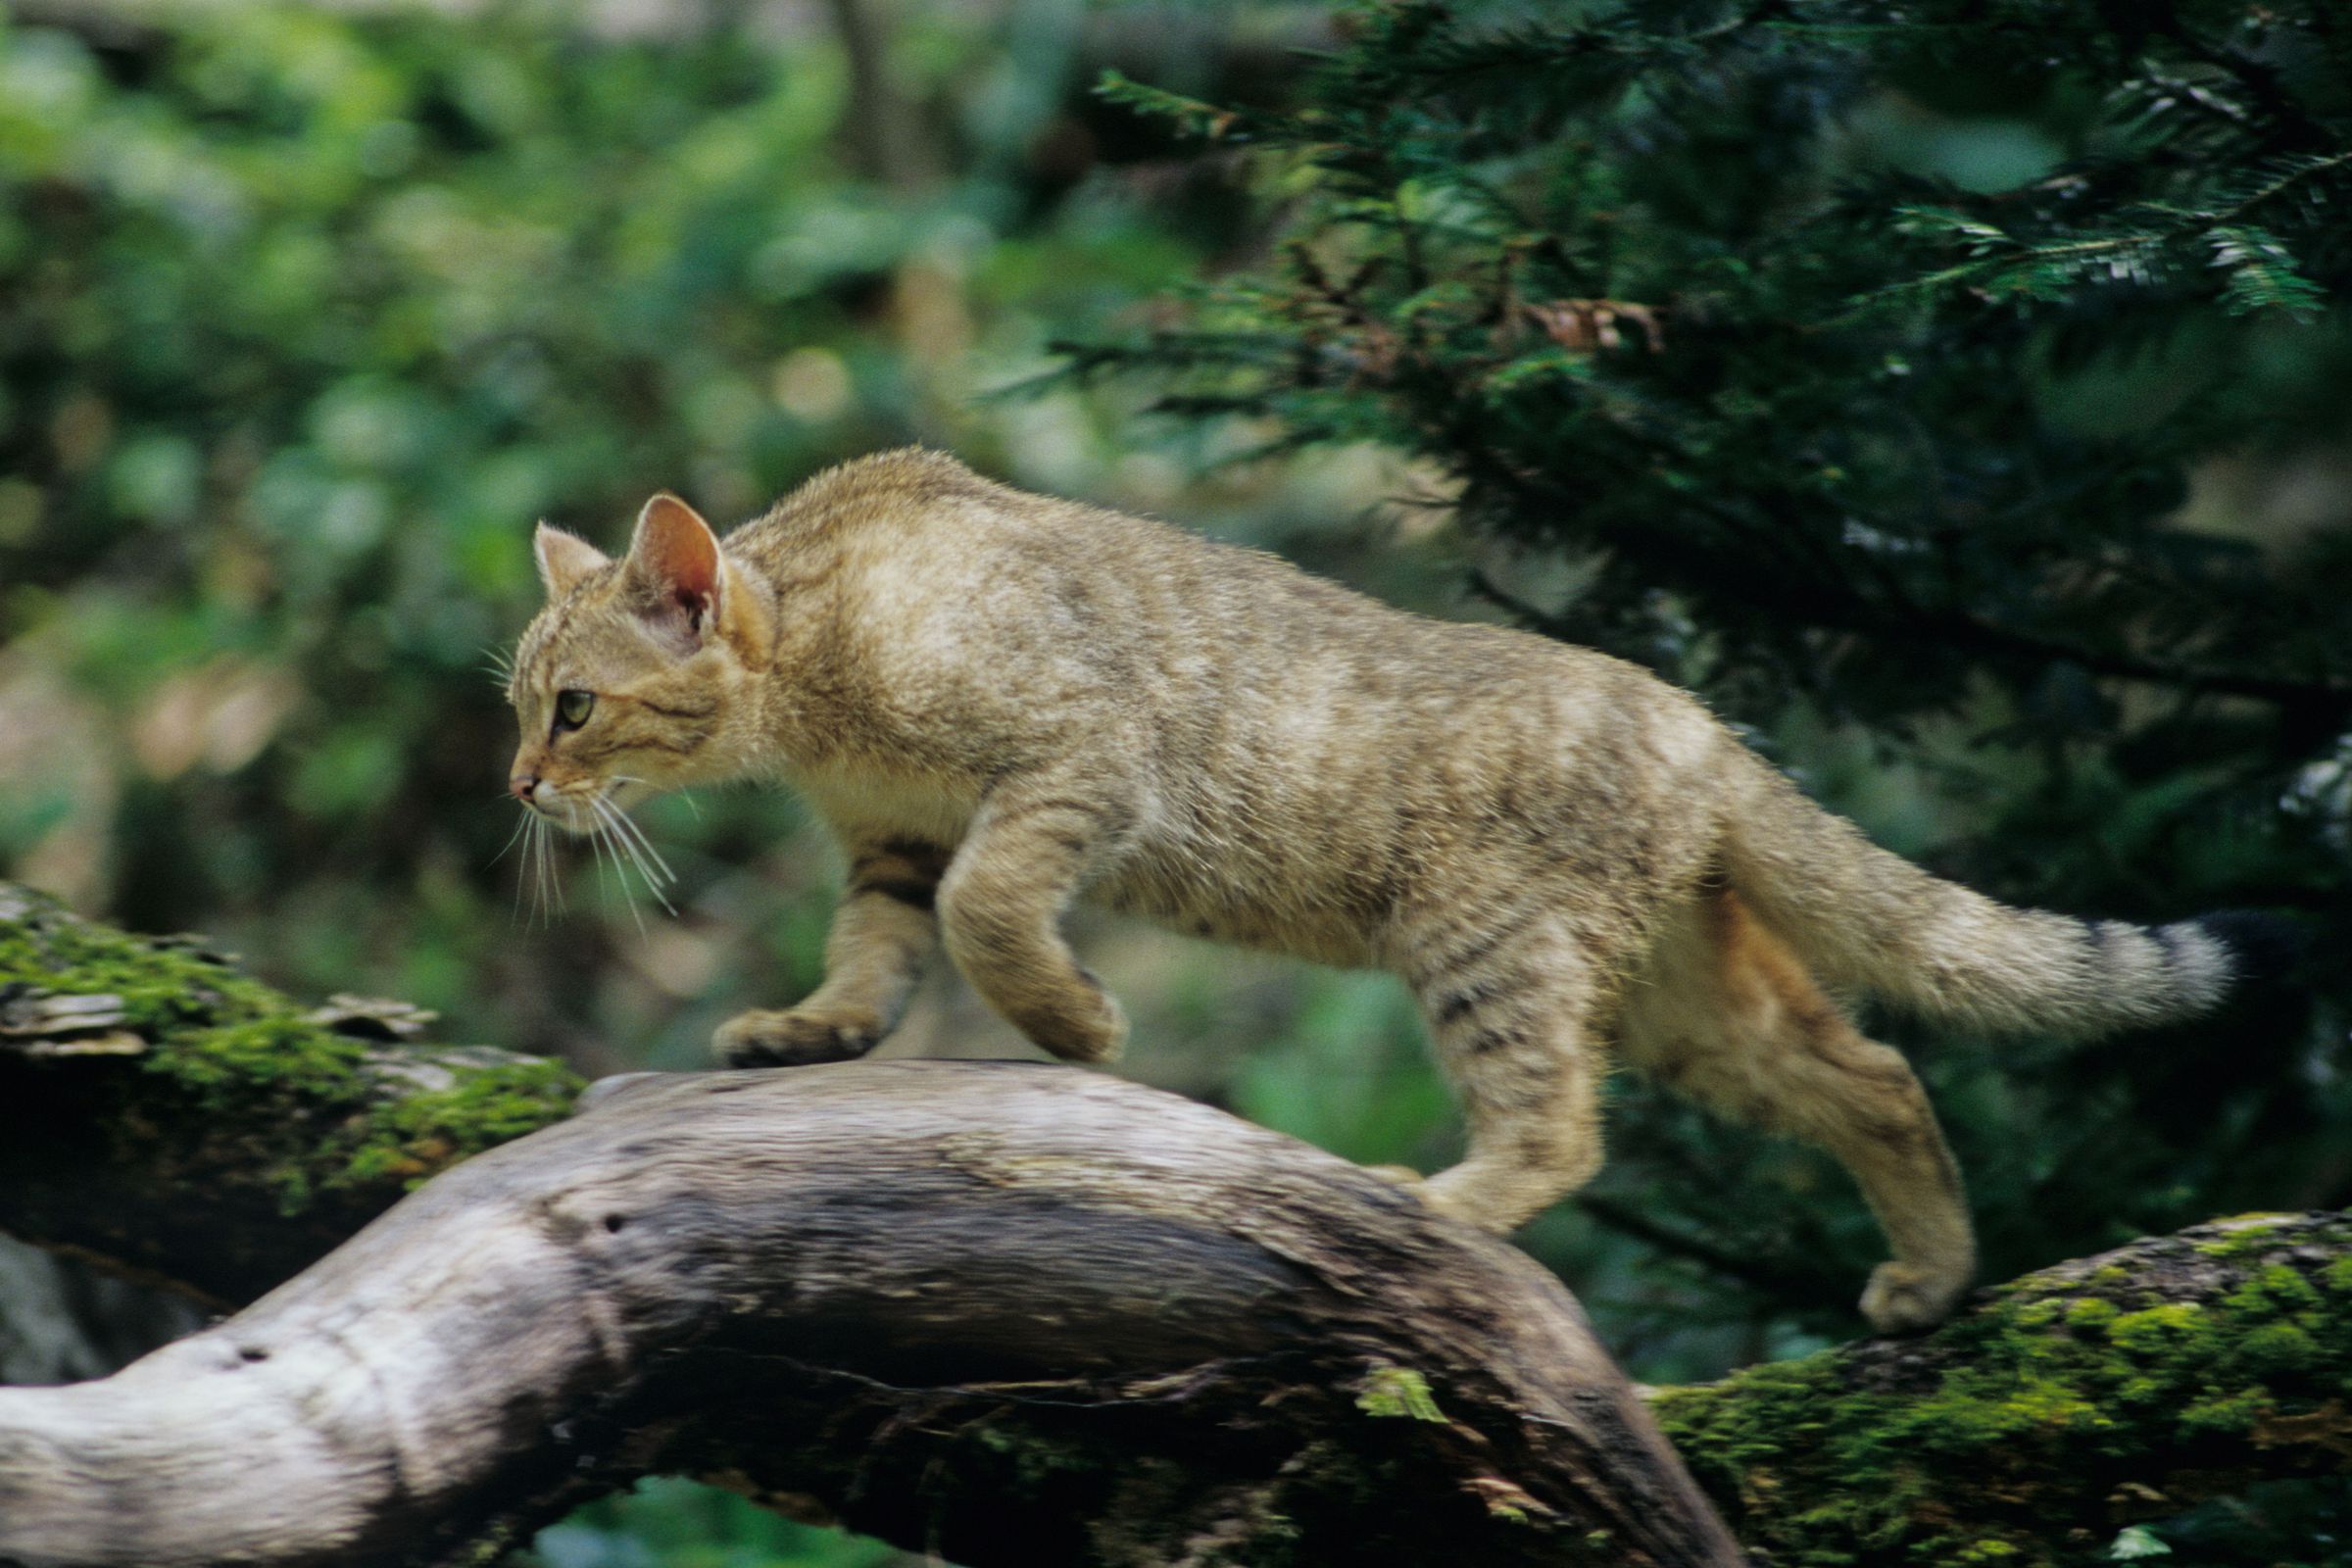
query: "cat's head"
636, 676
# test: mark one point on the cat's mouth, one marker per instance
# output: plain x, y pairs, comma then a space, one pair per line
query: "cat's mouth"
582, 808
579, 810
594, 809
563, 810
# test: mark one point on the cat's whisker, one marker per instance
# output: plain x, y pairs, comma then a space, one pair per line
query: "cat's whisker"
600, 838
624, 855
629, 829
596, 853
556, 879
534, 857
523, 831
619, 826
550, 878
542, 897
638, 913
687, 796
511, 838
657, 887
500, 669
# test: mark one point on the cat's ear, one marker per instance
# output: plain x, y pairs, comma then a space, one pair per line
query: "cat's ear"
675, 560
564, 559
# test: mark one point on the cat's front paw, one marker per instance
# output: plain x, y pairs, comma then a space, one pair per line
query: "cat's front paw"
1904, 1298
792, 1039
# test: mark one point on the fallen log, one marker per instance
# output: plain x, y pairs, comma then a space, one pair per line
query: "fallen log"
196, 1127
1003, 1313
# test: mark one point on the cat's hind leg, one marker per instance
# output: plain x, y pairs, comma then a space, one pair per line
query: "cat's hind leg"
883, 933
1511, 1008
1729, 1014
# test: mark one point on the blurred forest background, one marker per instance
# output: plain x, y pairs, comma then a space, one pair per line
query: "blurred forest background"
1956, 399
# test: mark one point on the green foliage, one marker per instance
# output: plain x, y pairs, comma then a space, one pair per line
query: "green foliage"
673, 1523
1910, 385
1952, 394
306, 318
1661, 286
417, 1135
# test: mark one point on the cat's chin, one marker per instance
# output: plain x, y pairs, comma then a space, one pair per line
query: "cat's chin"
562, 814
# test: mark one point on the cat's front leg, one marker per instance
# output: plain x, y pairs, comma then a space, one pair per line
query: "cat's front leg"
883, 933
1035, 842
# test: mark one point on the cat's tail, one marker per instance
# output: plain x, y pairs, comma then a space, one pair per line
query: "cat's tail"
1865, 920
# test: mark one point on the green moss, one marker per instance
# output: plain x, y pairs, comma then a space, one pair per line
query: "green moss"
2040, 1314
259, 1088
2090, 1315
164, 986
1818, 1466
1398, 1391
411, 1137
276, 1055
2275, 1351
2285, 1287
2158, 1330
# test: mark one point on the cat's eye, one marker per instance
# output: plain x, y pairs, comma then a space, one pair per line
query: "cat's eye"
573, 709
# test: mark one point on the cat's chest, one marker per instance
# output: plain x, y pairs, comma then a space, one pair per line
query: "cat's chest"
881, 802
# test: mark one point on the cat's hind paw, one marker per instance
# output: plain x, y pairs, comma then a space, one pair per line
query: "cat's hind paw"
1905, 1299
1077, 1023
791, 1040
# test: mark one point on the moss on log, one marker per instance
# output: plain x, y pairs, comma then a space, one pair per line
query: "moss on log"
2071, 1402
172, 1116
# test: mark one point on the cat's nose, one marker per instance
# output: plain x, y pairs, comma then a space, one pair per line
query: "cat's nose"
522, 784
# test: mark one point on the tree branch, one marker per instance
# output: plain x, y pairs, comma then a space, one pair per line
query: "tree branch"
1008, 1312
1003, 1313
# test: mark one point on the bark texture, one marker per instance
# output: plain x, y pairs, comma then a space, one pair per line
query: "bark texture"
1007, 1312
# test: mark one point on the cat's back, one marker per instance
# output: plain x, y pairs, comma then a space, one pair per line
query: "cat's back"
872, 505
928, 511
918, 544
919, 551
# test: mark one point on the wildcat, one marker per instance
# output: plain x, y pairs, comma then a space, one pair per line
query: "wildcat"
1002, 703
